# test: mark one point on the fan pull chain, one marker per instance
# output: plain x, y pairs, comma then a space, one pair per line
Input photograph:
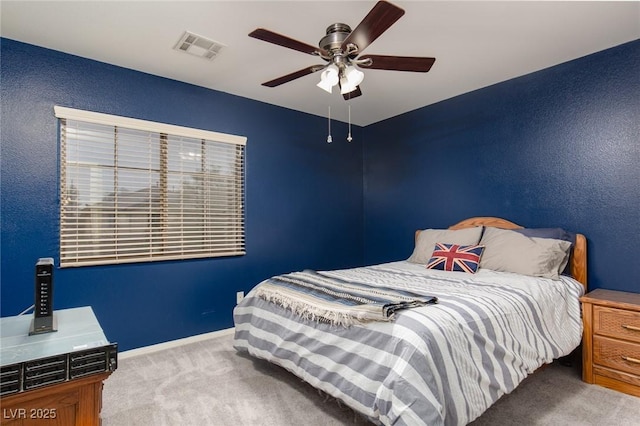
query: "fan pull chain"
329, 138
349, 138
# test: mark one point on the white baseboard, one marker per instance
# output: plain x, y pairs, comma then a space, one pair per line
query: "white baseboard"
173, 343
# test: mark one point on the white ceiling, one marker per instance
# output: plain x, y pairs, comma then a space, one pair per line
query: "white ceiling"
475, 43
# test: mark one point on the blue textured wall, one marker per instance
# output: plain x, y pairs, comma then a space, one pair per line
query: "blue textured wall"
303, 196
559, 147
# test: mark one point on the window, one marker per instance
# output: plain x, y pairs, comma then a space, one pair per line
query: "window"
134, 190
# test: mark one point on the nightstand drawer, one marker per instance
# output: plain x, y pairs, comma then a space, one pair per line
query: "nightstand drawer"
617, 354
616, 323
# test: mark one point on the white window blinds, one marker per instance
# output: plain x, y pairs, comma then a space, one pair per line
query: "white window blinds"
133, 190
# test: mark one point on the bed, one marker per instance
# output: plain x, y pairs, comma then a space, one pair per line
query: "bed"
439, 363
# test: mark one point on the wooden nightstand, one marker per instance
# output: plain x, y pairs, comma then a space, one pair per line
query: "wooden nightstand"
611, 340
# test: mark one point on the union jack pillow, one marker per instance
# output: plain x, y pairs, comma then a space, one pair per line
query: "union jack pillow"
454, 257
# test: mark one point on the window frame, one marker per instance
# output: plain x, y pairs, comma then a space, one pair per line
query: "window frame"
165, 133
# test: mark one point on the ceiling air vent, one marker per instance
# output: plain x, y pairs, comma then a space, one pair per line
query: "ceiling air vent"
199, 46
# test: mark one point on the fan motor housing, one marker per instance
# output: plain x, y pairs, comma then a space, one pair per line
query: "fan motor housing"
336, 34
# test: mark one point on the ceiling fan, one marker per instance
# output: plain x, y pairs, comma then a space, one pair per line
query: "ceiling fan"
341, 47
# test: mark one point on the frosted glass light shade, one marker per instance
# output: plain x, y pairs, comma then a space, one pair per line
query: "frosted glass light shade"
350, 80
354, 75
328, 78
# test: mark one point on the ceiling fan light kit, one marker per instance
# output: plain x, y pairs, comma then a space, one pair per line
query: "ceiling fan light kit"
340, 48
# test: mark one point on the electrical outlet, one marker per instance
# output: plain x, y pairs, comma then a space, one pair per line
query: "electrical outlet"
239, 296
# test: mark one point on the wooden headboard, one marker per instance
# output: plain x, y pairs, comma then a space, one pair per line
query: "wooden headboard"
578, 266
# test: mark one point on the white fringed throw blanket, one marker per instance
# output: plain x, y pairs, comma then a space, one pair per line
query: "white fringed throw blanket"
322, 298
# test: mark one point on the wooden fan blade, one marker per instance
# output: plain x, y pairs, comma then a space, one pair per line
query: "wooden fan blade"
284, 41
289, 77
398, 63
377, 21
352, 94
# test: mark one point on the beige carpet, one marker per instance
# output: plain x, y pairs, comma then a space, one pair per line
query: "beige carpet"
208, 383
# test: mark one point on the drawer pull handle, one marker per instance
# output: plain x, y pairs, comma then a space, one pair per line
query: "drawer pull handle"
629, 359
630, 327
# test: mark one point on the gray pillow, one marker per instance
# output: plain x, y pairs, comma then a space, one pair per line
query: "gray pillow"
510, 251
428, 238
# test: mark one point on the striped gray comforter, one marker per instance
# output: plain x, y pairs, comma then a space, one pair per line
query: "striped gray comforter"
442, 364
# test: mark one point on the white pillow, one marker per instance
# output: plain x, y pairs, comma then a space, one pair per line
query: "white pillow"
427, 239
510, 251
